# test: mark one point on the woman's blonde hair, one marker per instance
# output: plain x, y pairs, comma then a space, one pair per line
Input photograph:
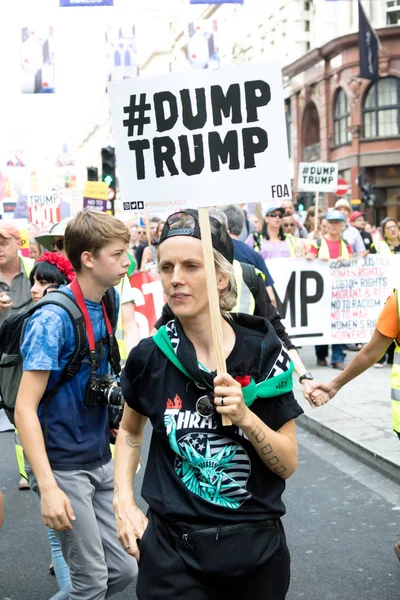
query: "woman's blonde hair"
228, 296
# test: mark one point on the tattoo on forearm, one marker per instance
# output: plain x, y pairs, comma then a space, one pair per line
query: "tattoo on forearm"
259, 436
132, 443
116, 490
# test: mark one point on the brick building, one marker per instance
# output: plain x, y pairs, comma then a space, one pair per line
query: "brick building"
333, 115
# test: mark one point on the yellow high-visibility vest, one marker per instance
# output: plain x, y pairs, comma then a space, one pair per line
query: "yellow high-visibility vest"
291, 242
382, 247
395, 379
245, 299
28, 264
119, 333
323, 249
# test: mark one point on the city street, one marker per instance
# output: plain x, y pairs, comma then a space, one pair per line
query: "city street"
343, 520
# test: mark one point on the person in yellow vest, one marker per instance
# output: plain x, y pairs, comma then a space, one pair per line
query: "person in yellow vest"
390, 244
331, 246
387, 330
273, 242
15, 287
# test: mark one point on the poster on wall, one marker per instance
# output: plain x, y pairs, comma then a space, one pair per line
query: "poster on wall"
86, 2
202, 47
121, 53
37, 60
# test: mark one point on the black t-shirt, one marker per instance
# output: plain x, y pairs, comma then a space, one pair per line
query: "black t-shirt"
367, 239
197, 470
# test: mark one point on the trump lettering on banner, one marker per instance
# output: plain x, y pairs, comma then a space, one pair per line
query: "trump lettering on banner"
333, 302
317, 177
196, 138
44, 209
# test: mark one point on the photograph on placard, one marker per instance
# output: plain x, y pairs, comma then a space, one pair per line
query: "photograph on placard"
202, 45
121, 53
37, 60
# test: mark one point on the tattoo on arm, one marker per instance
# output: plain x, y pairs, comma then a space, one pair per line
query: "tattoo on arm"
116, 490
259, 436
132, 443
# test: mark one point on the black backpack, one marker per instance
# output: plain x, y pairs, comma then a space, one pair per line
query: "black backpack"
11, 336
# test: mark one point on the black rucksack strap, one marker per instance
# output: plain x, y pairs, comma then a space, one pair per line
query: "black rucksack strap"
63, 300
250, 277
111, 310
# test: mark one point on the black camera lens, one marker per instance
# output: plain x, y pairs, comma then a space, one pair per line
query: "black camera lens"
114, 396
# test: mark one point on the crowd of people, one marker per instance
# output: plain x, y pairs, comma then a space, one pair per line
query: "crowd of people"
214, 492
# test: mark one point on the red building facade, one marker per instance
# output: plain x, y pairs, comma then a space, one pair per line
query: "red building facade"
334, 116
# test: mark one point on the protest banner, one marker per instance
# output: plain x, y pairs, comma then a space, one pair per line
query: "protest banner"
95, 196
317, 177
193, 139
149, 300
333, 302
196, 138
86, 2
44, 209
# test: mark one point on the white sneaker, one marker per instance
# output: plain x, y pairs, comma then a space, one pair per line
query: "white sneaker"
379, 365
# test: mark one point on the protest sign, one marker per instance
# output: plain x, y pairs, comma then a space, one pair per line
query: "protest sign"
193, 139
86, 2
95, 196
149, 300
317, 177
333, 302
44, 209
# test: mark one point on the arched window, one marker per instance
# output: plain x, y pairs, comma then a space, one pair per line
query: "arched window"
341, 119
382, 108
311, 133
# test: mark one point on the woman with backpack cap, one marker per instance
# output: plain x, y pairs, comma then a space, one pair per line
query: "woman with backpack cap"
213, 529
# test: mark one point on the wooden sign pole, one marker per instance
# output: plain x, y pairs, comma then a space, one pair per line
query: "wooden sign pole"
215, 313
148, 232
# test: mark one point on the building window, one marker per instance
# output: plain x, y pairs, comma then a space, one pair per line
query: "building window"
393, 12
382, 109
341, 119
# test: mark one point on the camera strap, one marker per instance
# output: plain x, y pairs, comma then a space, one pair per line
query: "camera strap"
77, 292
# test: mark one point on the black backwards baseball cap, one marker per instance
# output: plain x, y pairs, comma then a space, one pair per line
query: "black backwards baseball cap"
186, 222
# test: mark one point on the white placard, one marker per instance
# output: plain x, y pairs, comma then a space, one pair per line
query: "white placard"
318, 177
44, 209
333, 302
201, 138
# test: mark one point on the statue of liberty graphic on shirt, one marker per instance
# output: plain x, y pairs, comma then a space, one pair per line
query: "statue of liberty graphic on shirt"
210, 466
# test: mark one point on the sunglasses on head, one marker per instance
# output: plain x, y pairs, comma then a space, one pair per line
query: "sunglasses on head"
273, 215
58, 245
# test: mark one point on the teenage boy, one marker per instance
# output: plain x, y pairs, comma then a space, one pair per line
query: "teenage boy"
67, 445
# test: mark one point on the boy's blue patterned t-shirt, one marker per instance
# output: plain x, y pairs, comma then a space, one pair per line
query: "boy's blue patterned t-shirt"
78, 436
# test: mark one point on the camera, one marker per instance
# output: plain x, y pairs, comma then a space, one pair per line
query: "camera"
103, 389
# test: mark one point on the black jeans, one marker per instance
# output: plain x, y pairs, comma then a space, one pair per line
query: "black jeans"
163, 574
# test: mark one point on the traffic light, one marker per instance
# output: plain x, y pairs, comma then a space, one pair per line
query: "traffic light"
108, 167
92, 174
